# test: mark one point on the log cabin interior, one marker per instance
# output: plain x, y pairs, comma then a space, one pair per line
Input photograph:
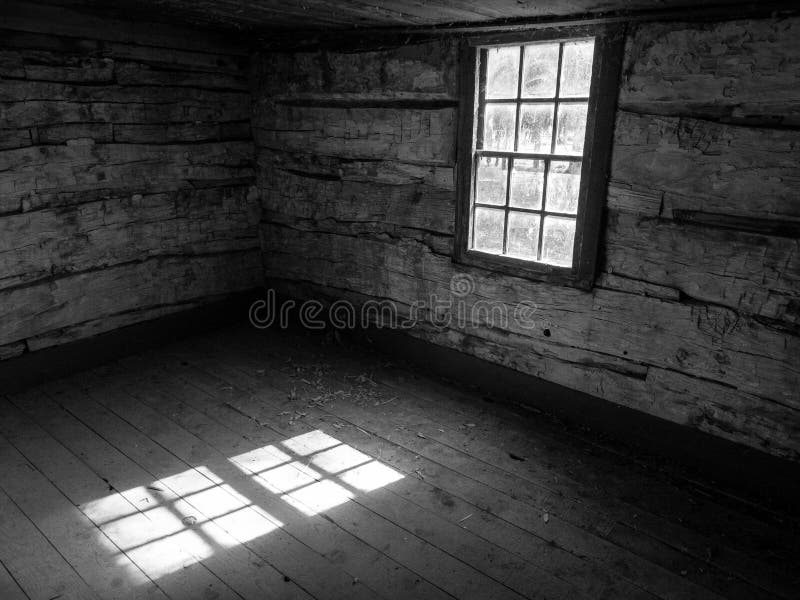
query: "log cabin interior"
399, 299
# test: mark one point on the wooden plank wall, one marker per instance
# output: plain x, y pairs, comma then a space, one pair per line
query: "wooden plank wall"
126, 174
695, 314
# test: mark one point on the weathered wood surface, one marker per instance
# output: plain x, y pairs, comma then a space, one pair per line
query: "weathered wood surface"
408, 135
126, 172
83, 165
41, 18
415, 69
754, 274
707, 166
123, 229
745, 71
94, 294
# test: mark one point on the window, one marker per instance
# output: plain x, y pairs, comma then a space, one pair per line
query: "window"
537, 116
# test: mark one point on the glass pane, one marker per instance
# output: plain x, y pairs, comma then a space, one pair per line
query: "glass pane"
502, 72
571, 128
558, 241
527, 179
576, 68
523, 235
539, 71
499, 122
536, 127
563, 185
491, 180
489, 224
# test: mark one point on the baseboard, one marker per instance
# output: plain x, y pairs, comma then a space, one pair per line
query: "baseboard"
59, 361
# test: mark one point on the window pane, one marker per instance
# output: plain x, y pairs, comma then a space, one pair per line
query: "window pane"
576, 68
527, 179
498, 126
489, 224
539, 71
563, 185
502, 72
523, 235
536, 127
558, 241
571, 128
491, 180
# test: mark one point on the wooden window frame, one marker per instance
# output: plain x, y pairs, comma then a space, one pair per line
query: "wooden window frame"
604, 89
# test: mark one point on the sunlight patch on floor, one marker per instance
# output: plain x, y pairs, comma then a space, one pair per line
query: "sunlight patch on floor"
179, 520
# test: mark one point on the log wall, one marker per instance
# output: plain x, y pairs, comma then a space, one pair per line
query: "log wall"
694, 316
126, 174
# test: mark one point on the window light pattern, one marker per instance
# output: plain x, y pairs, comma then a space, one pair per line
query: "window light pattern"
172, 523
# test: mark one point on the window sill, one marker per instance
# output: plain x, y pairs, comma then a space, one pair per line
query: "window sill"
533, 271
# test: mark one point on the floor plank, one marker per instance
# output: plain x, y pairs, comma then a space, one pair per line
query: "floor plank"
9, 588
32, 561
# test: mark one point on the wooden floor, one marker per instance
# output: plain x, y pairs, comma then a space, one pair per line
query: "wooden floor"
278, 465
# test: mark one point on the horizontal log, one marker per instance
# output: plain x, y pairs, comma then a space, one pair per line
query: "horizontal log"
311, 196
60, 134
613, 281
709, 167
12, 350
62, 198
71, 21
711, 342
166, 56
137, 74
14, 138
34, 113
416, 136
752, 273
85, 165
428, 68
36, 310
744, 71
382, 172
173, 133
93, 327
771, 227
56, 241
134, 133
21, 91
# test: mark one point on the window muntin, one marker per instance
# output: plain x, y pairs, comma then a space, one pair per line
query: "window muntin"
527, 164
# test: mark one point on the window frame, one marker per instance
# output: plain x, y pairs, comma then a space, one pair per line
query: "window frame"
603, 92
